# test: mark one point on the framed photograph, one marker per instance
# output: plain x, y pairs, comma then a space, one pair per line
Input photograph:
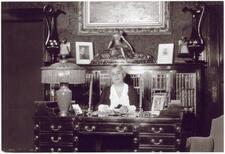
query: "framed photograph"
106, 17
84, 52
165, 53
158, 102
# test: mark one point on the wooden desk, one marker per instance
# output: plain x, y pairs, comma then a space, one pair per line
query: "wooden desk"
147, 134
72, 133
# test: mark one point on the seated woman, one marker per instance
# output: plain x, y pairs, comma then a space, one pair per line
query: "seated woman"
119, 94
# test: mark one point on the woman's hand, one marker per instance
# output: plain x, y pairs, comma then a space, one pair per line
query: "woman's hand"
132, 108
121, 109
125, 109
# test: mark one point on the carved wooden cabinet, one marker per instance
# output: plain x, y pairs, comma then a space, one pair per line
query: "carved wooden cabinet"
53, 134
160, 136
68, 134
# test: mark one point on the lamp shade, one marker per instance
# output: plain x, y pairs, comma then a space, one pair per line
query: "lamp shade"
63, 72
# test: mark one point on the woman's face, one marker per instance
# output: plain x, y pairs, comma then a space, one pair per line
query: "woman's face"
117, 76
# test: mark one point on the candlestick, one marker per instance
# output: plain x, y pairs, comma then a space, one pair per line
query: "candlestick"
90, 94
140, 93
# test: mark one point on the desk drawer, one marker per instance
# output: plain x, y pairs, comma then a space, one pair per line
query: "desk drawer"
158, 140
159, 128
106, 128
55, 126
56, 139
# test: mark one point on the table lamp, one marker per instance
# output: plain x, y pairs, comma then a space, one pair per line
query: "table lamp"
63, 73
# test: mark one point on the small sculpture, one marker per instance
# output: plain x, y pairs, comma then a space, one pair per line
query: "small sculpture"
119, 45
183, 46
196, 43
64, 48
120, 51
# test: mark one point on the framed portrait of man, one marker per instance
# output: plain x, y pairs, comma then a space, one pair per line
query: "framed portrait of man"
84, 52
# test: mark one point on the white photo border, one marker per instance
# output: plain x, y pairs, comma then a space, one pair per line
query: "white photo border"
158, 102
165, 53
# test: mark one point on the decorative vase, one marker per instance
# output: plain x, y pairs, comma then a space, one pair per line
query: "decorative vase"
52, 43
196, 43
64, 98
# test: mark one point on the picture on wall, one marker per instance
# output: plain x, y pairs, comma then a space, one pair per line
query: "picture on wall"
165, 53
84, 52
106, 17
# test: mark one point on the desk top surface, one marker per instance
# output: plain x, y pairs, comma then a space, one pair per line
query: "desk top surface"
114, 119
128, 119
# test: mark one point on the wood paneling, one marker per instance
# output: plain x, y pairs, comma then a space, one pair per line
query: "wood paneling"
213, 99
22, 49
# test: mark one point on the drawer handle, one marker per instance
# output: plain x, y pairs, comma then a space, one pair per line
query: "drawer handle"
56, 129
156, 143
59, 149
90, 129
121, 129
55, 140
157, 131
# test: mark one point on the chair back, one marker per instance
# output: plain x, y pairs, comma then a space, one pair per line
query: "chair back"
217, 134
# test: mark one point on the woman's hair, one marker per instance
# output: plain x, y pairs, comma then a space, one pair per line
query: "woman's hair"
126, 77
119, 67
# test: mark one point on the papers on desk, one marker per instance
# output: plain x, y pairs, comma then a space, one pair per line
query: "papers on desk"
119, 110
105, 110
114, 114
76, 109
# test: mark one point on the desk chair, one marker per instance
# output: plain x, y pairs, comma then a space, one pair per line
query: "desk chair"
212, 143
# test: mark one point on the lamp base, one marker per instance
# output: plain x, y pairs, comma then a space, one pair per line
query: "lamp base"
64, 98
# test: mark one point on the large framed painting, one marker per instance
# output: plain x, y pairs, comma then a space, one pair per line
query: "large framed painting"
133, 17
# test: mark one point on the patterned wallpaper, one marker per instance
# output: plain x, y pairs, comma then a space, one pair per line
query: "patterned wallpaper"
68, 27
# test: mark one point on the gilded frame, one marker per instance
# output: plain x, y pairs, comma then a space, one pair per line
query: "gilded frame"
92, 24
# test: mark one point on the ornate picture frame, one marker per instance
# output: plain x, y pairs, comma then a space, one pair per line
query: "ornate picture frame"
133, 17
158, 102
84, 52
